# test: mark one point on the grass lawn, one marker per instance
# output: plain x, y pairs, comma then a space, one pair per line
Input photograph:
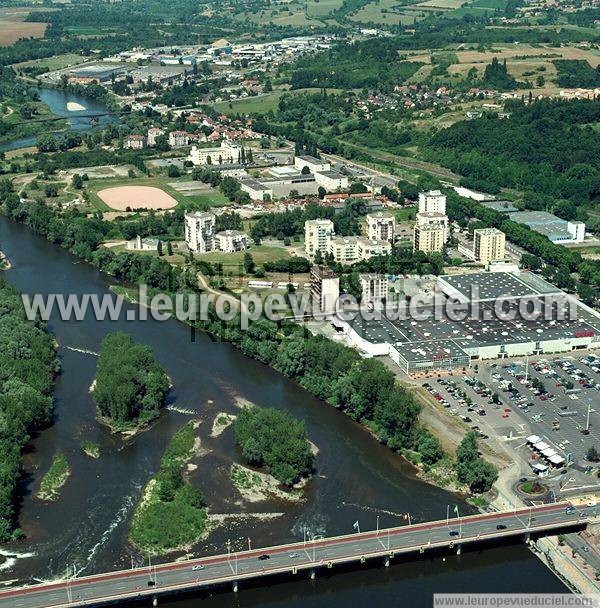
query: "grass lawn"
58, 62
260, 254
251, 105
260, 104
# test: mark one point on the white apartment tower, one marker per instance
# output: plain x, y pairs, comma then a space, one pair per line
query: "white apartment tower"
317, 234
381, 227
200, 231
374, 287
489, 245
324, 289
432, 202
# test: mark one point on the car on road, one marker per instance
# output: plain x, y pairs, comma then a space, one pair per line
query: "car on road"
500, 527
198, 567
453, 533
293, 555
263, 557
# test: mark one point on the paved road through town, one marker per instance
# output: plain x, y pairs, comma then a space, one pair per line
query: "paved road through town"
312, 554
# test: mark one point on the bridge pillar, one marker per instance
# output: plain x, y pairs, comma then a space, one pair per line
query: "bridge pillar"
386, 562
458, 549
312, 574
235, 586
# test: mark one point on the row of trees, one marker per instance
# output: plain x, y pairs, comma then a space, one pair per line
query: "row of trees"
471, 469
28, 365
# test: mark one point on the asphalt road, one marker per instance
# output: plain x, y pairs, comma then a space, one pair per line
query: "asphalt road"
94, 590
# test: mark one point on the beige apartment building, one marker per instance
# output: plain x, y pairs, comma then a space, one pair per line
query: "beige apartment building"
429, 238
489, 245
317, 234
381, 227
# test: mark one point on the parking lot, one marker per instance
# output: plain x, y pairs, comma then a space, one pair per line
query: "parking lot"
553, 397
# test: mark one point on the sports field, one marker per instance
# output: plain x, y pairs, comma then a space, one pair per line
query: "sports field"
123, 198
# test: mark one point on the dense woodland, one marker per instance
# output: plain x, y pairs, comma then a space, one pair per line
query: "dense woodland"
274, 439
28, 365
547, 148
130, 387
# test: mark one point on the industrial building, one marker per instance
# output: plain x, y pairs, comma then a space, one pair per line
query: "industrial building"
557, 230
434, 341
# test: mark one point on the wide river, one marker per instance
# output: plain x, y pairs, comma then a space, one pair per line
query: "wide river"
356, 479
79, 120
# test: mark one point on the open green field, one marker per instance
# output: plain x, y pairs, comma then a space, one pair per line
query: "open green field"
58, 62
260, 104
260, 254
251, 105
388, 12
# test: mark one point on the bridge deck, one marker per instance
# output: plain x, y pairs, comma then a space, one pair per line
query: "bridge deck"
168, 578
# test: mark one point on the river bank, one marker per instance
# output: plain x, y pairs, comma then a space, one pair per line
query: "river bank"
357, 479
61, 117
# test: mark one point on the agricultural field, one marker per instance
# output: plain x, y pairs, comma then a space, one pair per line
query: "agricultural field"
13, 28
58, 62
389, 12
524, 62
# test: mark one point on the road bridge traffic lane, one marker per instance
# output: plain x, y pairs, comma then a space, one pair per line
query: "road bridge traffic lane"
347, 547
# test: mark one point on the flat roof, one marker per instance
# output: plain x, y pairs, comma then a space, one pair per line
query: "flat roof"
312, 160
494, 285
435, 350
501, 206
543, 222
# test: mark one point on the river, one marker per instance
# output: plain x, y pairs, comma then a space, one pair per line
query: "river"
356, 478
57, 100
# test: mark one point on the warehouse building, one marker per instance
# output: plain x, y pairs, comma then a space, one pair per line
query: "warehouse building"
436, 341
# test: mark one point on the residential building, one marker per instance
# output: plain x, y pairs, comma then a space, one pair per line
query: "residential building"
230, 241
369, 249
134, 142
153, 134
324, 289
177, 139
140, 244
488, 245
429, 238
227, 152
349, 249
344, 249
432, 202
381, 227
200, 231
314, 165
374, 288
436, 220
317, 234
331, 180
